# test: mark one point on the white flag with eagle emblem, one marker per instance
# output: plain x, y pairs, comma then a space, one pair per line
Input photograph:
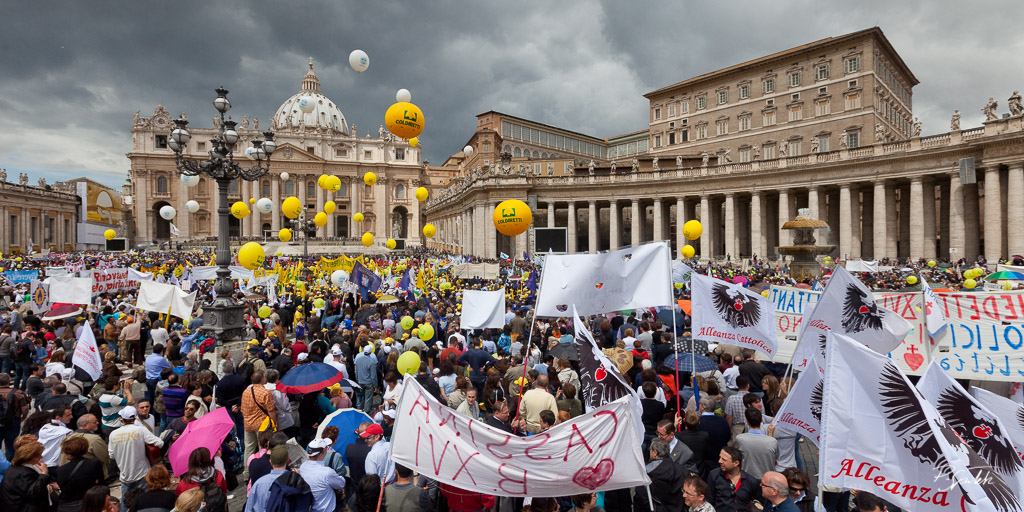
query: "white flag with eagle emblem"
86, 356
801, 412
729, 313
882, 436
848, 307
1009, 412
976, 425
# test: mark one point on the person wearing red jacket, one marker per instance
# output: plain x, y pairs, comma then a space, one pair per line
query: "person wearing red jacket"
461, 500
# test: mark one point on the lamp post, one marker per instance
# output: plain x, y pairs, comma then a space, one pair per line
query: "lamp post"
222, 317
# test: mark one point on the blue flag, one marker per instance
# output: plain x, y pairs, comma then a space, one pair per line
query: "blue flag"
531, 284
407, 284
364, 278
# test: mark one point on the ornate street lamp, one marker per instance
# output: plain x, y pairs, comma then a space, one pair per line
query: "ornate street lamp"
222, 317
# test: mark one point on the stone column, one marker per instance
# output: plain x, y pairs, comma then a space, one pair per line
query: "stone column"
845, 222
491, 251
183, 217
972, 216
758, 243
332, 223
320, 231
916, 218
275, 197
571, 222
680, 221
705, 219
141, 205
257, 218
659, 220
592, 231
730, 225
878, 224
635, 223
551, 214
855, 225
784, 238
1015, 209
614, 230
928, 226
889, 215
993, 227
812, 202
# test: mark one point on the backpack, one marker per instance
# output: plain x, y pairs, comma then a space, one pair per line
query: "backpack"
214, 496
289, 493
245, 370
7, 409
23, 349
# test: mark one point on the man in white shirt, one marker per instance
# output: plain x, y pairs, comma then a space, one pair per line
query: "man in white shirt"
378, 461
53, 433
322, 480
160, 335
127, 446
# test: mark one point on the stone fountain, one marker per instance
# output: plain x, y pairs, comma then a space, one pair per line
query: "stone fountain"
805, 248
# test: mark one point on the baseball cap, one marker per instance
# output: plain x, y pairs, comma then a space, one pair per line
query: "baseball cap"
302, 356
128, 413
279, 456
254, 341
318, 445
336, 351
390, 413
372, 430
367, 349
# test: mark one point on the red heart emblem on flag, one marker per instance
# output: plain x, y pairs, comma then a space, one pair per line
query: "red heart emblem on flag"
982, 431
863, 310
600, 374
595, 477
914, 361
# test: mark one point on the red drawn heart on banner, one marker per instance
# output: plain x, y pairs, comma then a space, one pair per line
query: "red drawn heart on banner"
600, 374
914, 360
595, 477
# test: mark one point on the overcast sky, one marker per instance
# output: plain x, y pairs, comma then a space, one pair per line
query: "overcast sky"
73, 73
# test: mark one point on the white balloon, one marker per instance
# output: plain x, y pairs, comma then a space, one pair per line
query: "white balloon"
189, 181
250, 153
338, 277
192, 206
168, 212
264, 205
307, 104
359, 60
403, 95
284, 176
468, 150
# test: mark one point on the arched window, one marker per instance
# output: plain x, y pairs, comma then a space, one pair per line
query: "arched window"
517, 153
399, 191
536, 154
233, 188
341, 191
507, 148
289, 187
161, 185
266, 188
544, 155
310, 189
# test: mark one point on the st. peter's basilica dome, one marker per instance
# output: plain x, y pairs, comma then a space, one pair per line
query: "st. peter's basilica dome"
322, 113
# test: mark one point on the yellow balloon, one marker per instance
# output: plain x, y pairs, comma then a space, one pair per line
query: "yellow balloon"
931, 263
422, 193
407, 322
322, 181
369, 178
687, 251
408, 363
429, 230
391, 244
291, 207
764, 294
329, 207
358, 217
679, 286
512, 217
1007, 286
367, 239
252, 200
426, 332
239, 210
109, 234
320, 219
333, 183
970, 283
285, 235
264, 311
413, 142
692, 229
911, 279
251, 256
404, 120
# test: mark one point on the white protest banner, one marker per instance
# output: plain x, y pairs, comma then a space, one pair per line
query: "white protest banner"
482, 309
880, 435
476, 271
861, 266
56, 271
71, 290
597, 451
86, 355
162, 298
631, 278
135, 275
210, 272
801, 412
111, 280
984, 337
729, 313
981, 429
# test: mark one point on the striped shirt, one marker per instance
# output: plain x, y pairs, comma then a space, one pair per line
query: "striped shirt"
111, 405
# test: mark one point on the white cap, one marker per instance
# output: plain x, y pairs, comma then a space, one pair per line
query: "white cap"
128, 413
302, 356
390, 413
367, 349
336, 350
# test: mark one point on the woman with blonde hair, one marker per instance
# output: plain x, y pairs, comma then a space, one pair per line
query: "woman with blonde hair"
189, 501
27, 486
774, 394
158, 497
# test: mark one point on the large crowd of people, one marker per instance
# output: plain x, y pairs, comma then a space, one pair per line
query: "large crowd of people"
70, 440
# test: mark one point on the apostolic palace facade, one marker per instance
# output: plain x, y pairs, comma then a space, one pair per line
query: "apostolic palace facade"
826, 126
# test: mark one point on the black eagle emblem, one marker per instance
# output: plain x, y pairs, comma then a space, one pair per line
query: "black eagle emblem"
598, 384
822, 340
902, 403
1020, 416
860, 312
734, 306
817, 399
978, 430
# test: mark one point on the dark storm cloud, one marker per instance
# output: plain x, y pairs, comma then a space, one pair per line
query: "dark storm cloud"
72, 73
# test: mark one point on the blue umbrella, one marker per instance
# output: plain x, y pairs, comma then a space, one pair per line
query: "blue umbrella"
690, 363
309, 377
347, 421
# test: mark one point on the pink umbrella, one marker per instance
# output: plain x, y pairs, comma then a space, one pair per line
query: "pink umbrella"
739, 280
206, 432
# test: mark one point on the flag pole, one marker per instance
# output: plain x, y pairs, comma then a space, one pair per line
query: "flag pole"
675, 340
529, 342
